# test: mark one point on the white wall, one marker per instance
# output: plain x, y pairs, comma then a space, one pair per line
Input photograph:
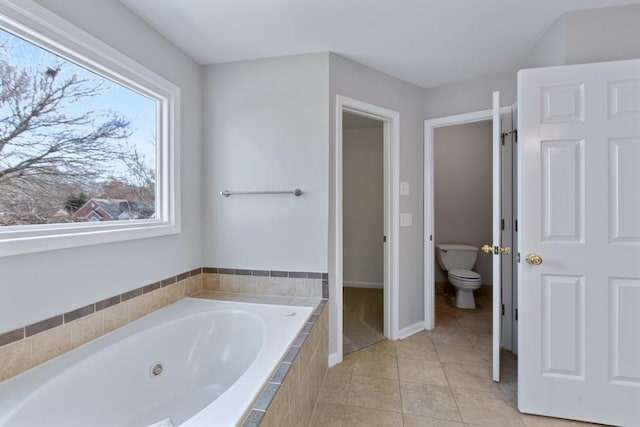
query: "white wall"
363, 208
266, 128
365, 84
37, 286
463, 190
470, 95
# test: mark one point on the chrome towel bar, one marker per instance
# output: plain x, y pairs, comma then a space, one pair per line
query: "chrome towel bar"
226, 193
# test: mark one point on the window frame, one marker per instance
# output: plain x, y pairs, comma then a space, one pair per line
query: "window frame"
42, 27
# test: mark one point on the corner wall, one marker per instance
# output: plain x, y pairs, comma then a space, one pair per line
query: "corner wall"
265, 128
37, 286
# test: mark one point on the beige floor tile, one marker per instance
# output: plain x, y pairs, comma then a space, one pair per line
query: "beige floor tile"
424, 350
510, 390
470, 377
336, 384
463, 355
327, 415
480, 340
374, 393
488, 409
377, 366
431, 401
421, 371
386, 348
447, 322
449, 337
472, 324
361, 417
415, 421
422, 336
461, 348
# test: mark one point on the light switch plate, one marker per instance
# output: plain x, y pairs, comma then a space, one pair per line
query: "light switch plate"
406, 220
404, 188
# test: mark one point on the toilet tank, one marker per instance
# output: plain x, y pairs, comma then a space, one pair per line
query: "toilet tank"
454, 256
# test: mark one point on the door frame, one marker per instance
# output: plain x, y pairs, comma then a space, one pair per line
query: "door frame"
429, 225
391, 183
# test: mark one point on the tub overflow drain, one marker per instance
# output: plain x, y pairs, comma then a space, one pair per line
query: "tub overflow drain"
156, 369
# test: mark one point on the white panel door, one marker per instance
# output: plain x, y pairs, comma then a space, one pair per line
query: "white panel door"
579, 212
497, 234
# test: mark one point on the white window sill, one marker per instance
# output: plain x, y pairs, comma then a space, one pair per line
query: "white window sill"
76, 235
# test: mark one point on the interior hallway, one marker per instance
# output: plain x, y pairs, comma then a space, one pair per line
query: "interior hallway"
434, 378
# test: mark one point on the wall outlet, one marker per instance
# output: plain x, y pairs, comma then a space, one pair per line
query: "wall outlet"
406, 220
404, 188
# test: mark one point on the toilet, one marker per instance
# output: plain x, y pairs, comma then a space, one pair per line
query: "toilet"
457, 261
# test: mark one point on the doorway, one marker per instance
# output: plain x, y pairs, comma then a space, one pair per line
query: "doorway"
391, 225
363, 231
504, 298
462, 156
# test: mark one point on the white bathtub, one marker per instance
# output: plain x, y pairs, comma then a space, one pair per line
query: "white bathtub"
215, 357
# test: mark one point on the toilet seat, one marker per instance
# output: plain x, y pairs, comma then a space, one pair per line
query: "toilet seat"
464, 275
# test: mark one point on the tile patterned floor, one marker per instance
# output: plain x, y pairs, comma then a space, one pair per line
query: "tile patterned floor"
439, 378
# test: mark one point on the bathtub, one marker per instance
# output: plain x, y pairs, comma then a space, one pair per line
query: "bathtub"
197, 362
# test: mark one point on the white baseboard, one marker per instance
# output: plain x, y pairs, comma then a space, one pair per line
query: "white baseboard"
366, 285
410, 330
334, 359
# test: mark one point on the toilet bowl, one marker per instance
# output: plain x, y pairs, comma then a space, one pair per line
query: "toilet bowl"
457, 260
464, 282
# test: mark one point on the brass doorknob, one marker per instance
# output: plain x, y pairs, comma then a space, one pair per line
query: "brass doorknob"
534, 259
504, 250
487, 249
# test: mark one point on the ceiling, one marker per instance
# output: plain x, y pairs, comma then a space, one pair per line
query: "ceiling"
425, 42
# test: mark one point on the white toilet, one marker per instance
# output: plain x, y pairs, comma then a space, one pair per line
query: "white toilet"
457, 261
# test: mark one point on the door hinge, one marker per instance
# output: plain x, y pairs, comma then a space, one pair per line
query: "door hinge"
384, 239
502, 136
515, 135
518, 257
516, 223
431, 237
516, 314
503, 309
502, 224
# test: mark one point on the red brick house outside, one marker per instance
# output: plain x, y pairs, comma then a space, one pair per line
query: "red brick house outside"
113, 210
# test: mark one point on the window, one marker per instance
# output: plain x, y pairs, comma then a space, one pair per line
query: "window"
87, 138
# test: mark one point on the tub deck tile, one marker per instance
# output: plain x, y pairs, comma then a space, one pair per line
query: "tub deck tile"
291, 354
43, 325
281, 373
261, 299
11, 336
254, 419
267, 397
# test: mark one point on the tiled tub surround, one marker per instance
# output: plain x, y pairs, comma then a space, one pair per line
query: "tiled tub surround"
211, 374
289, 397
39, 342
265, 282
